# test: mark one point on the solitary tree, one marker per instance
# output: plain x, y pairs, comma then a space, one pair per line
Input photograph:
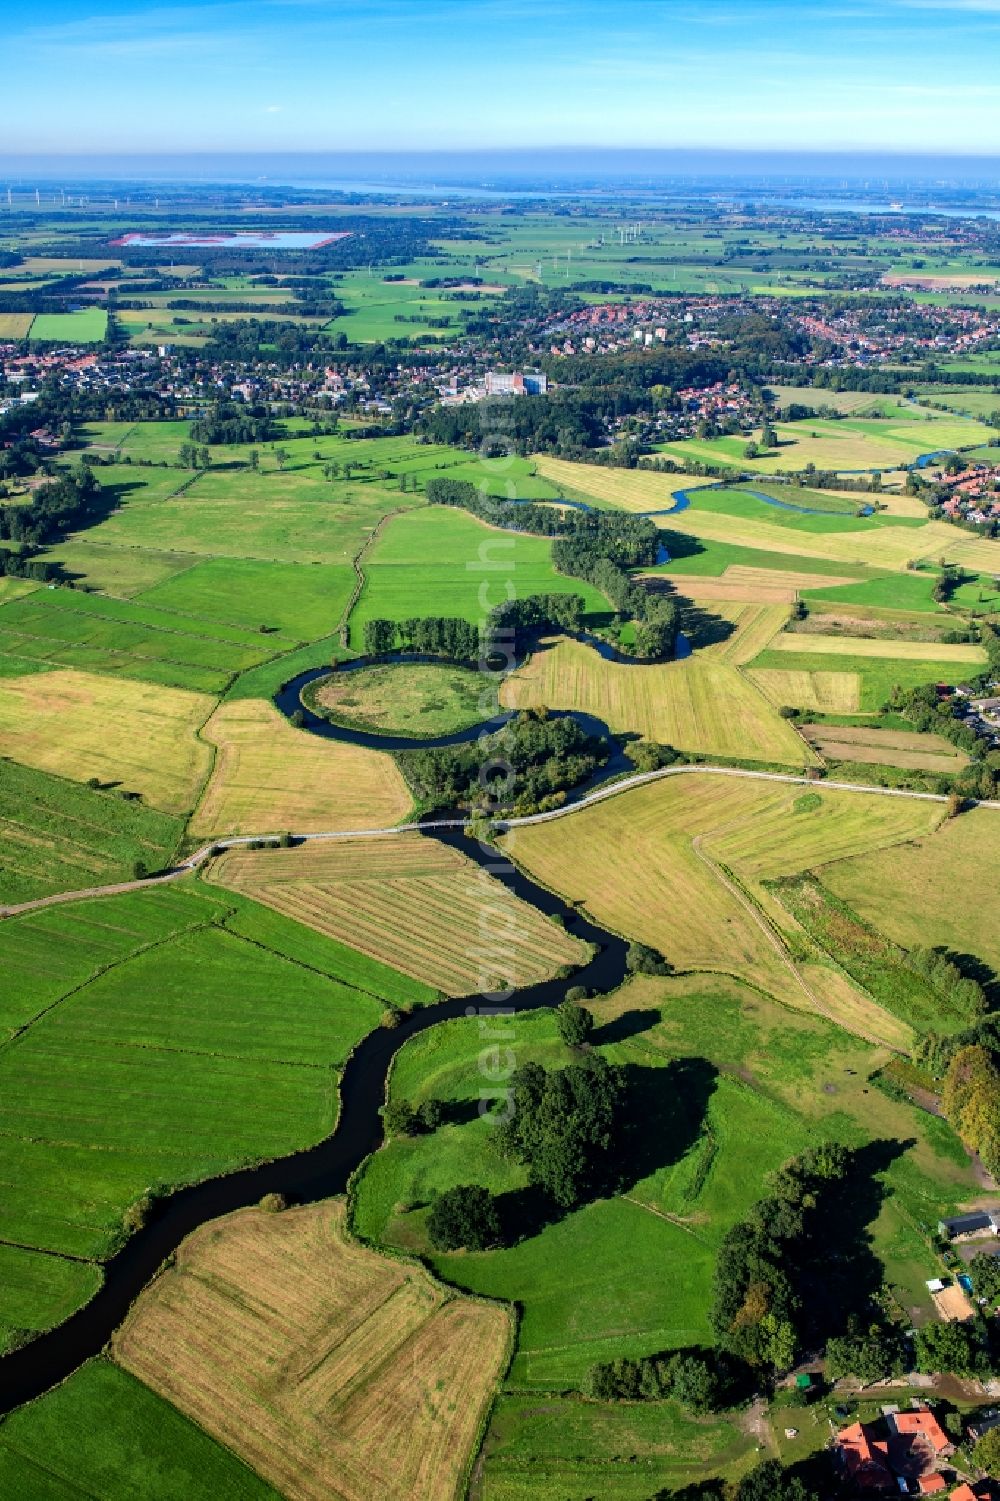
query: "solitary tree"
575, 1023
464, 1217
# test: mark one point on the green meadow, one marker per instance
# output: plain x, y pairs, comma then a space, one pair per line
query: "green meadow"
233, 1020
87, 326
104, 1436
878, 675
727, 1085
56, 835
442, 561
66, 628
741, 503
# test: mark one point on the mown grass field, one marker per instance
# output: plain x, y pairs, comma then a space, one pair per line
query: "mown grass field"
625, 489
415, 699
949, 654
411, 902
946, 902
104, 1436
442, 561
66, 628
904, 591
885, 747
653, 863
86, 326
158, 1037
700, 704
566, 1449
876, 675
56, 835
135, 737
269, 1324
15, 325
818, 691
268, 776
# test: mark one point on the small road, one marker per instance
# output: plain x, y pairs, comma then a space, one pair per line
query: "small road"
599, 796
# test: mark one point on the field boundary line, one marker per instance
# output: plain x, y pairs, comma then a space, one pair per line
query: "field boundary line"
344, 623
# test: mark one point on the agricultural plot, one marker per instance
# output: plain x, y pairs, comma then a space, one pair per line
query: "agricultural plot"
56, 835
928, 869
564, 1448
958, 654
664, 882
743, 584
848, 444
903, 592
86, 326
885, 747
120, 571
625, 489
442, 561
234, 1028
65, 628
410, 902
268, 776
104, 1436
278, 517
700, 704
15, 325
135, 737
820, 692
876, 675
300, 602
328, 1368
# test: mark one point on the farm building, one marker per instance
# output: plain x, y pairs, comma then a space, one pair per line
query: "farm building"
978, 1222
982, 1491
905, 1451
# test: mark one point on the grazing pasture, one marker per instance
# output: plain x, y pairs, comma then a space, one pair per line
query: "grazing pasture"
136, 737
119, 571
231, 1020
701, 704
104, 1436
330, 1369
885, 747
822, 511
299, 602
268, 776
287, 517
415, 699
442, 561
565, 1448
411, 902
66, 628
56, 835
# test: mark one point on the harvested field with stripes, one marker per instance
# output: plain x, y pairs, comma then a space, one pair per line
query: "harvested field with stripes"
626, 489
756, 626
410, 902
661, 863
702, 704
331, 1370
270, 776
958, 652
885, 747
15, 325
820, 692
768, 586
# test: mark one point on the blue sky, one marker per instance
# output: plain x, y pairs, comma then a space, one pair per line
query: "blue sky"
329, 75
